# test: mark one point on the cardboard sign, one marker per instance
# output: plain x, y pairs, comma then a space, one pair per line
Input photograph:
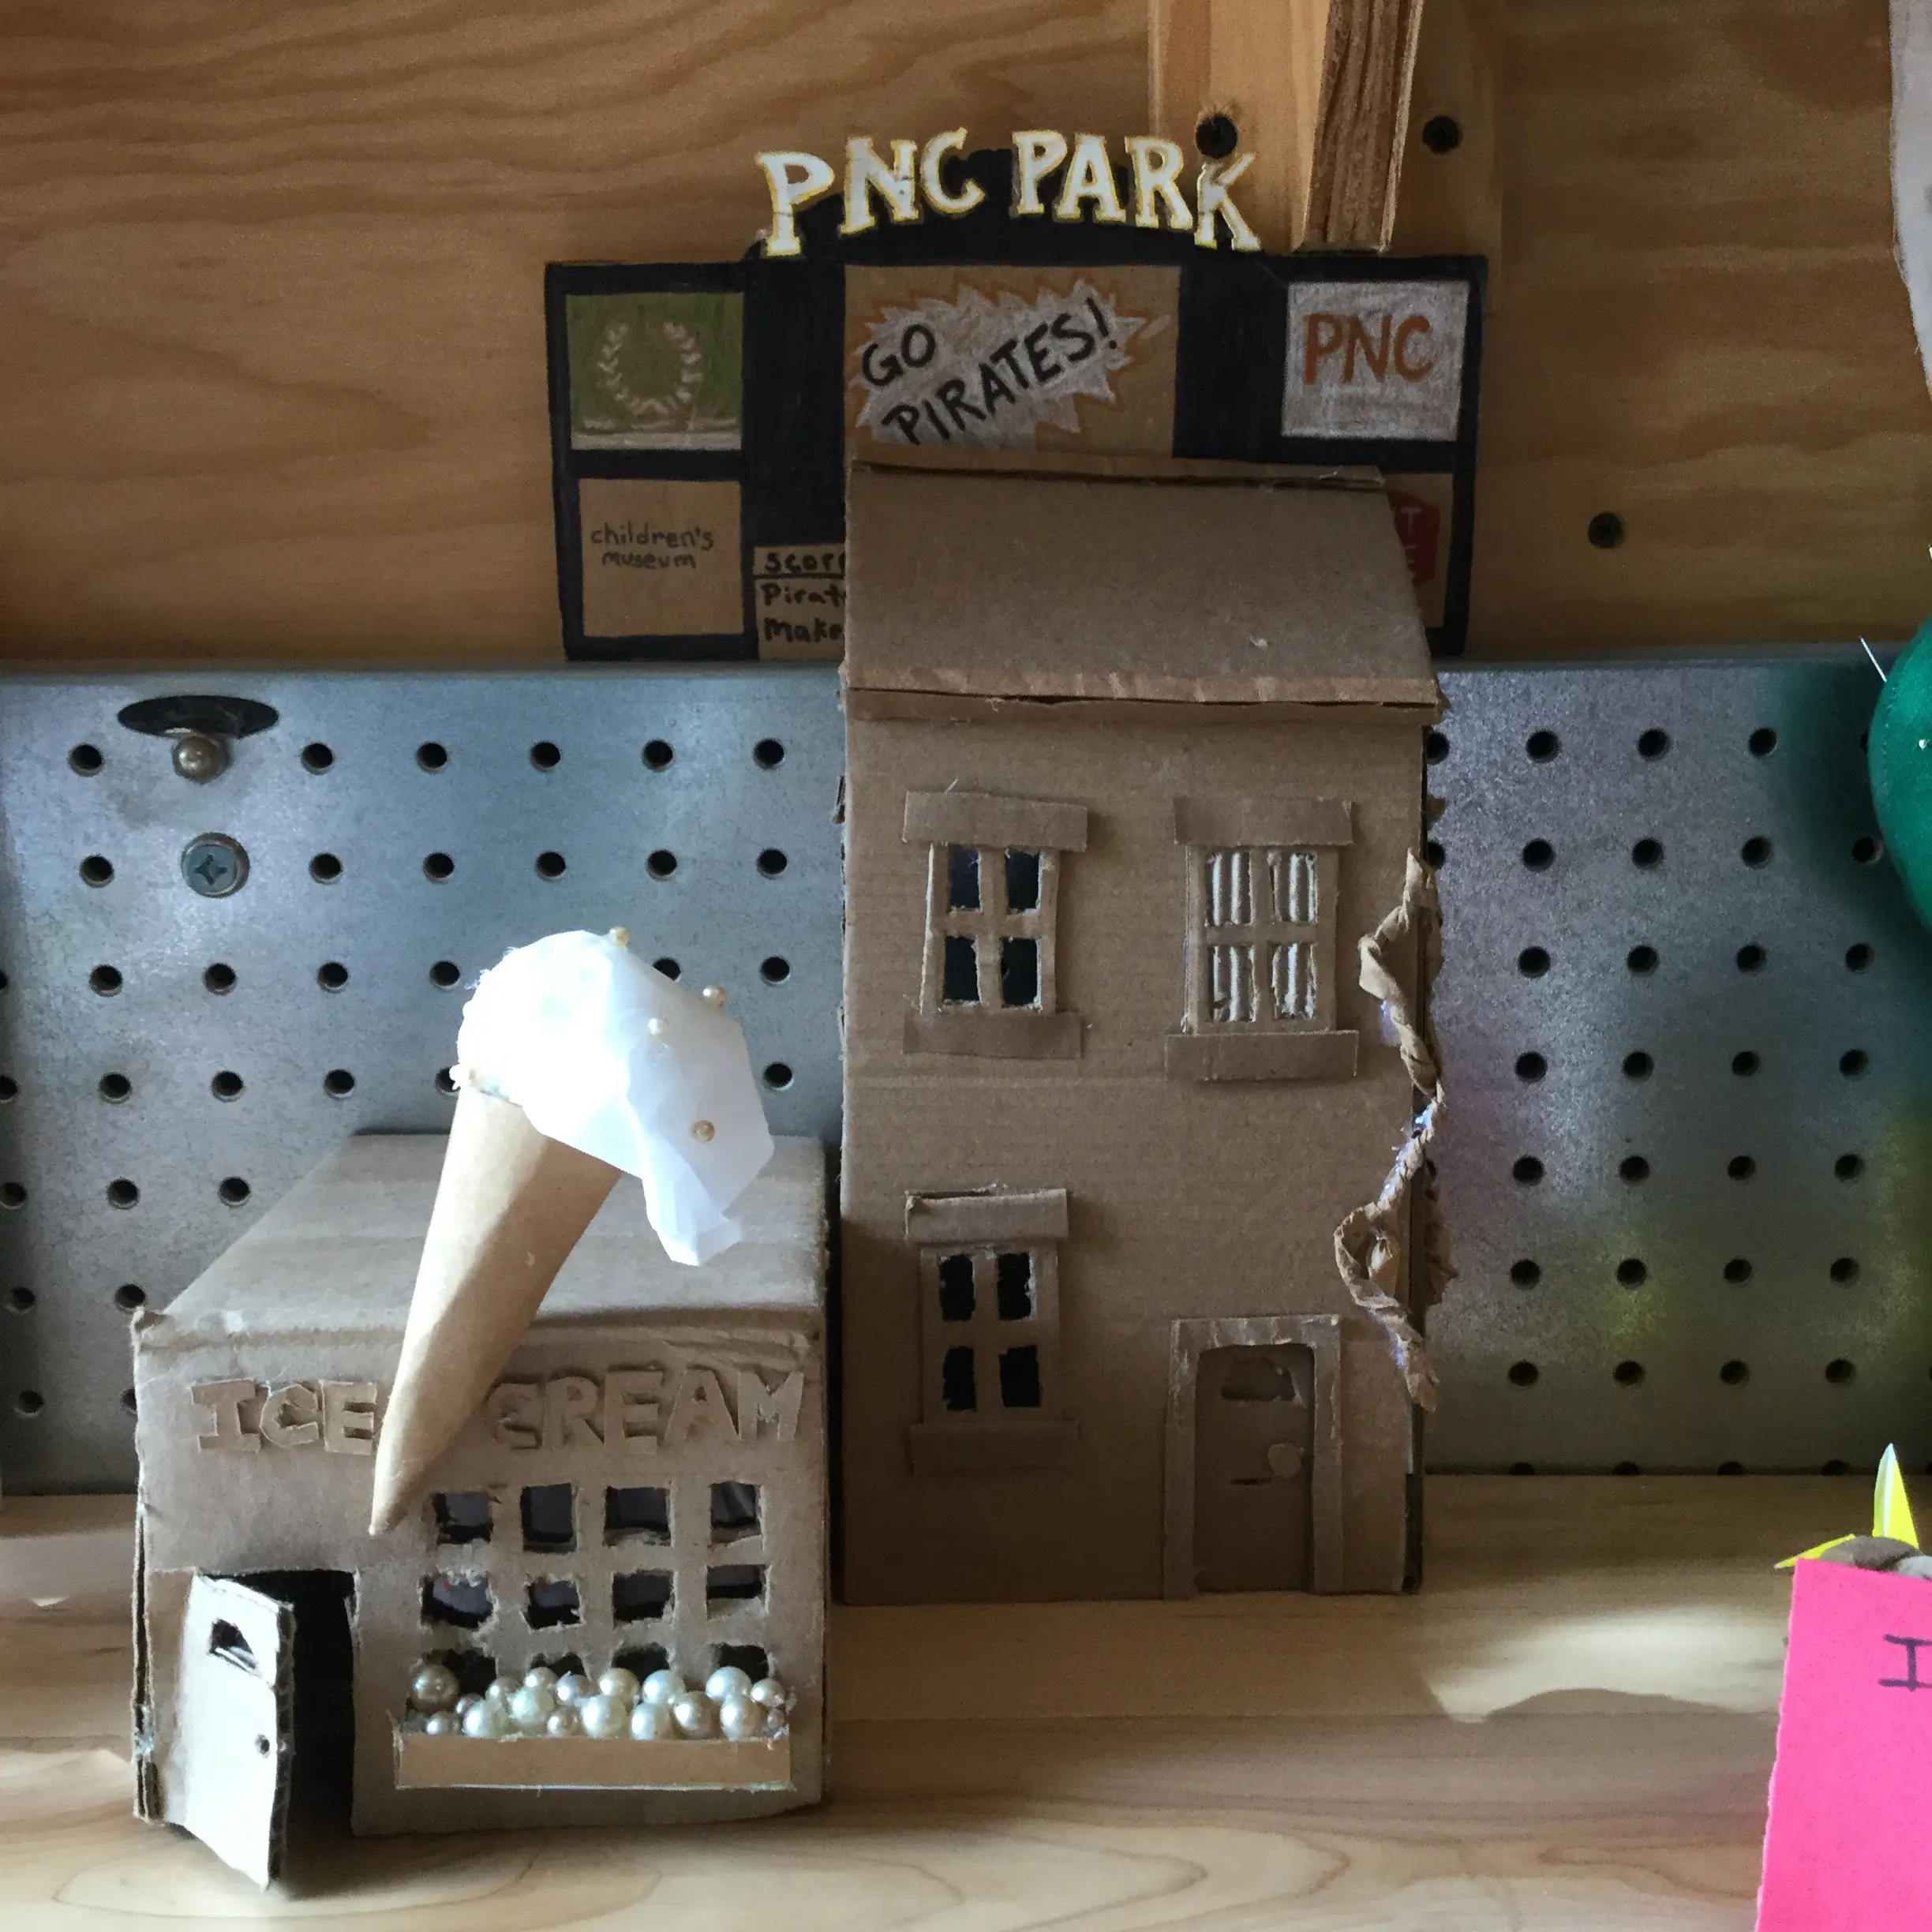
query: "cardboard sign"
1844, 1845
1374, 359
660, 557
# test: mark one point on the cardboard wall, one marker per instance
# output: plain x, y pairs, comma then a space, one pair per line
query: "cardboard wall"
271, 295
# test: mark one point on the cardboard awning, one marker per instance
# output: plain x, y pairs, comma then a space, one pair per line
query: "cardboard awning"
1195, 591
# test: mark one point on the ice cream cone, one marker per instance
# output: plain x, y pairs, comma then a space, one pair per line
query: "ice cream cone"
510, 1206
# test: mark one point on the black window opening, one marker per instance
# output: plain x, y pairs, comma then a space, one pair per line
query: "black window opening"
640, 1597
644, 1514
227, 1642
464, 1602
962, 879
1023, 881
462, 1516
641, 1660
734, 1511
748, 1658
727, 1584
552, 1602
956, 1288
1019, 1377
1013, 1275
549, 1517
1019, 982
473, 1671
956, 1385
565, 1663
959, 984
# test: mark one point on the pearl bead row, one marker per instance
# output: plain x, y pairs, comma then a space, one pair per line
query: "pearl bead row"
544, 1705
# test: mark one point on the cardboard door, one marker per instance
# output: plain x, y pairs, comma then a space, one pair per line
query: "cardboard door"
1254, 1410
227, 1773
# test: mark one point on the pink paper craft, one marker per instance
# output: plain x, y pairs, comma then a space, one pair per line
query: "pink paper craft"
1846, 1844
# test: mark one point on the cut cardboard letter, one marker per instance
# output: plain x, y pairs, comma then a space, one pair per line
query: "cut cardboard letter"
510, 1206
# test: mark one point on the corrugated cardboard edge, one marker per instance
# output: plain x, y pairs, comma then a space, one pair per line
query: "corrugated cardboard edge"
1144, 687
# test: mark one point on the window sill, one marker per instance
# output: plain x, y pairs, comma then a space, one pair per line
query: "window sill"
1227, 1055
993, 1034
968, 1448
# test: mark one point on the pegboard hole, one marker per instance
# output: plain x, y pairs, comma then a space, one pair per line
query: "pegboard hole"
226, 1085
445, 1079
431, 756
1857, 957
1844, 1269
1522, 1469
771, 862
1741, 1167
13, 1194
1849, 1166
123, 1194
1737, 1270
1744, 1064
1531, 1066
775, 971
30, 1401
219, 977
1523, 1373
1763, 742
233, 1190
1867, 851
331, 975
769, 752
1631, 1272
19, 1300
1853, 1062
661, 864
1627, 1374
105, 980
1529, 1170
1627, 1469
1750, 958
778, 1076
1633, 1168
325, 868
338, 1082
1840, 1370
128, 1404
1755, 851
85, 759
551, 865
1539, 855
669, 967
438, 866
1532, 962
1434, 851
1606, 530
1542, 746
9, 1089
1216, 137
545, 755
658, 755
445, 973
1835, 1467
1730, 1469
96, 870
114, 1088
1646, 853
1642, 959
1638, 1066
1733, 1372
317, 757
129, 1297
1653, 744
1525, 1274
1441, 135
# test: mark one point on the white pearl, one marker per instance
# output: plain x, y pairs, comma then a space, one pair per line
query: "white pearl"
657, 1026
562, 1722
727, 1681
620, 936
444, 1724
603, 1717
713, 996
530, 1706
574, 1688
500, 1690
739, 1718
466, 1703
485, 1721
769, 1692
663, 1687
541, 1678
649, 1722
619, 1683
696, 1715
434, 1687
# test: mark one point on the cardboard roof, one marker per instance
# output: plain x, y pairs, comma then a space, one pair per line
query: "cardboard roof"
365, 1210
1168, 589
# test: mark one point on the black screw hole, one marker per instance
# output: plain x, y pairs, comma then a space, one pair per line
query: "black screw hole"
317, 757
1642, 959
13, 1194
669, 967
233, 1190
1835, 1467
431, 756
1847, 1167
123, 1194
661, 864
550, 865
1539, 855
768, 752
1866, 850
226, 1085
338, 1082
1441, 135
1638, 1066
445, 1080
1647, 853
778, 1074
658, 755
1216, 137
1525, 1274
1606, 530
19, 1300
1730, 1469
1857, 957
325, 868
1750, 958
445, 973
438, 866
1529, 1170
29, 1401
85, 759
1755, 851
771, 862
1844, 1269
775, 970
1742, 1167
1531, 1066
1763, 742
1633, 1168
1532, 962
1653, 744
219, 977
129, 1297
331, 975
1745, 1065
105, 980
114, 1088
1737, 1270
1542, 746
1733, 1372
9, 1088
545, 755
95, 870
1631, 1272
1522, 1469
1435, 747
1853, 1062
1432, 850
1840, 1370
1628, 1374
1627, 1469
1523, 1373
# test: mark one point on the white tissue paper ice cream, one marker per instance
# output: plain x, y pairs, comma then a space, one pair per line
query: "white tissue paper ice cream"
606, 1055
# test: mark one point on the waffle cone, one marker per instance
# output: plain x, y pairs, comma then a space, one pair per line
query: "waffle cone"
510, 1206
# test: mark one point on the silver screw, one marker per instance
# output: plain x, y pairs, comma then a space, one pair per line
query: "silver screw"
214, 865
198, 758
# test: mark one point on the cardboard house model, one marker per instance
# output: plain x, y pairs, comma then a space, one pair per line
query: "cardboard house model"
1130, 1292
643, 1489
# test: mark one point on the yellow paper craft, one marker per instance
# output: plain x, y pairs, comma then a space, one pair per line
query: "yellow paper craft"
1891, 1512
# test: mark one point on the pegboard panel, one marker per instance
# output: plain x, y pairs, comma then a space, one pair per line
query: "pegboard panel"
1688, 1017
174, 1062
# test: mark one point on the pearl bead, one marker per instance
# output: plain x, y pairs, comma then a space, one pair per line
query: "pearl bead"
530, 1706
739, 1718
486, 1720
703, 1130
696, 1715
541, 1678
434, 1687
444, 1724
713, 996
663, 1686
727, 1681
618, 1683
603, 1717
651, 1722
466, 1703
769, 1692
657, 1026
574, 1688
620, 936
562, 1722
501, 1690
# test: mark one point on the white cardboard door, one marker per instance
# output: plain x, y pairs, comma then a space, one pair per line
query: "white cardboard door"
227, 1774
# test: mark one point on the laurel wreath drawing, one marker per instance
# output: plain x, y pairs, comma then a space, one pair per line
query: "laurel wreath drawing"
650, 411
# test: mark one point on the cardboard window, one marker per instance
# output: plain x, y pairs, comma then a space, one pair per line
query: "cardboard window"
552, 1602
549, 1517
958, 1385
462, 1516
734, 1511
641, 1514
641, 1660
750, 1658
463, 1603
641, 1596
727, 1585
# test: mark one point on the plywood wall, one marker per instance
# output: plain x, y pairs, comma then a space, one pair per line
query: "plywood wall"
271, 349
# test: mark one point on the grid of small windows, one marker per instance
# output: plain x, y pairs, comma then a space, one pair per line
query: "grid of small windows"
989, 942
993, 1312
1264, 937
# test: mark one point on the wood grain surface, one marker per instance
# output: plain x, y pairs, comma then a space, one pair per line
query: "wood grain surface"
1570, 1728
270, 291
